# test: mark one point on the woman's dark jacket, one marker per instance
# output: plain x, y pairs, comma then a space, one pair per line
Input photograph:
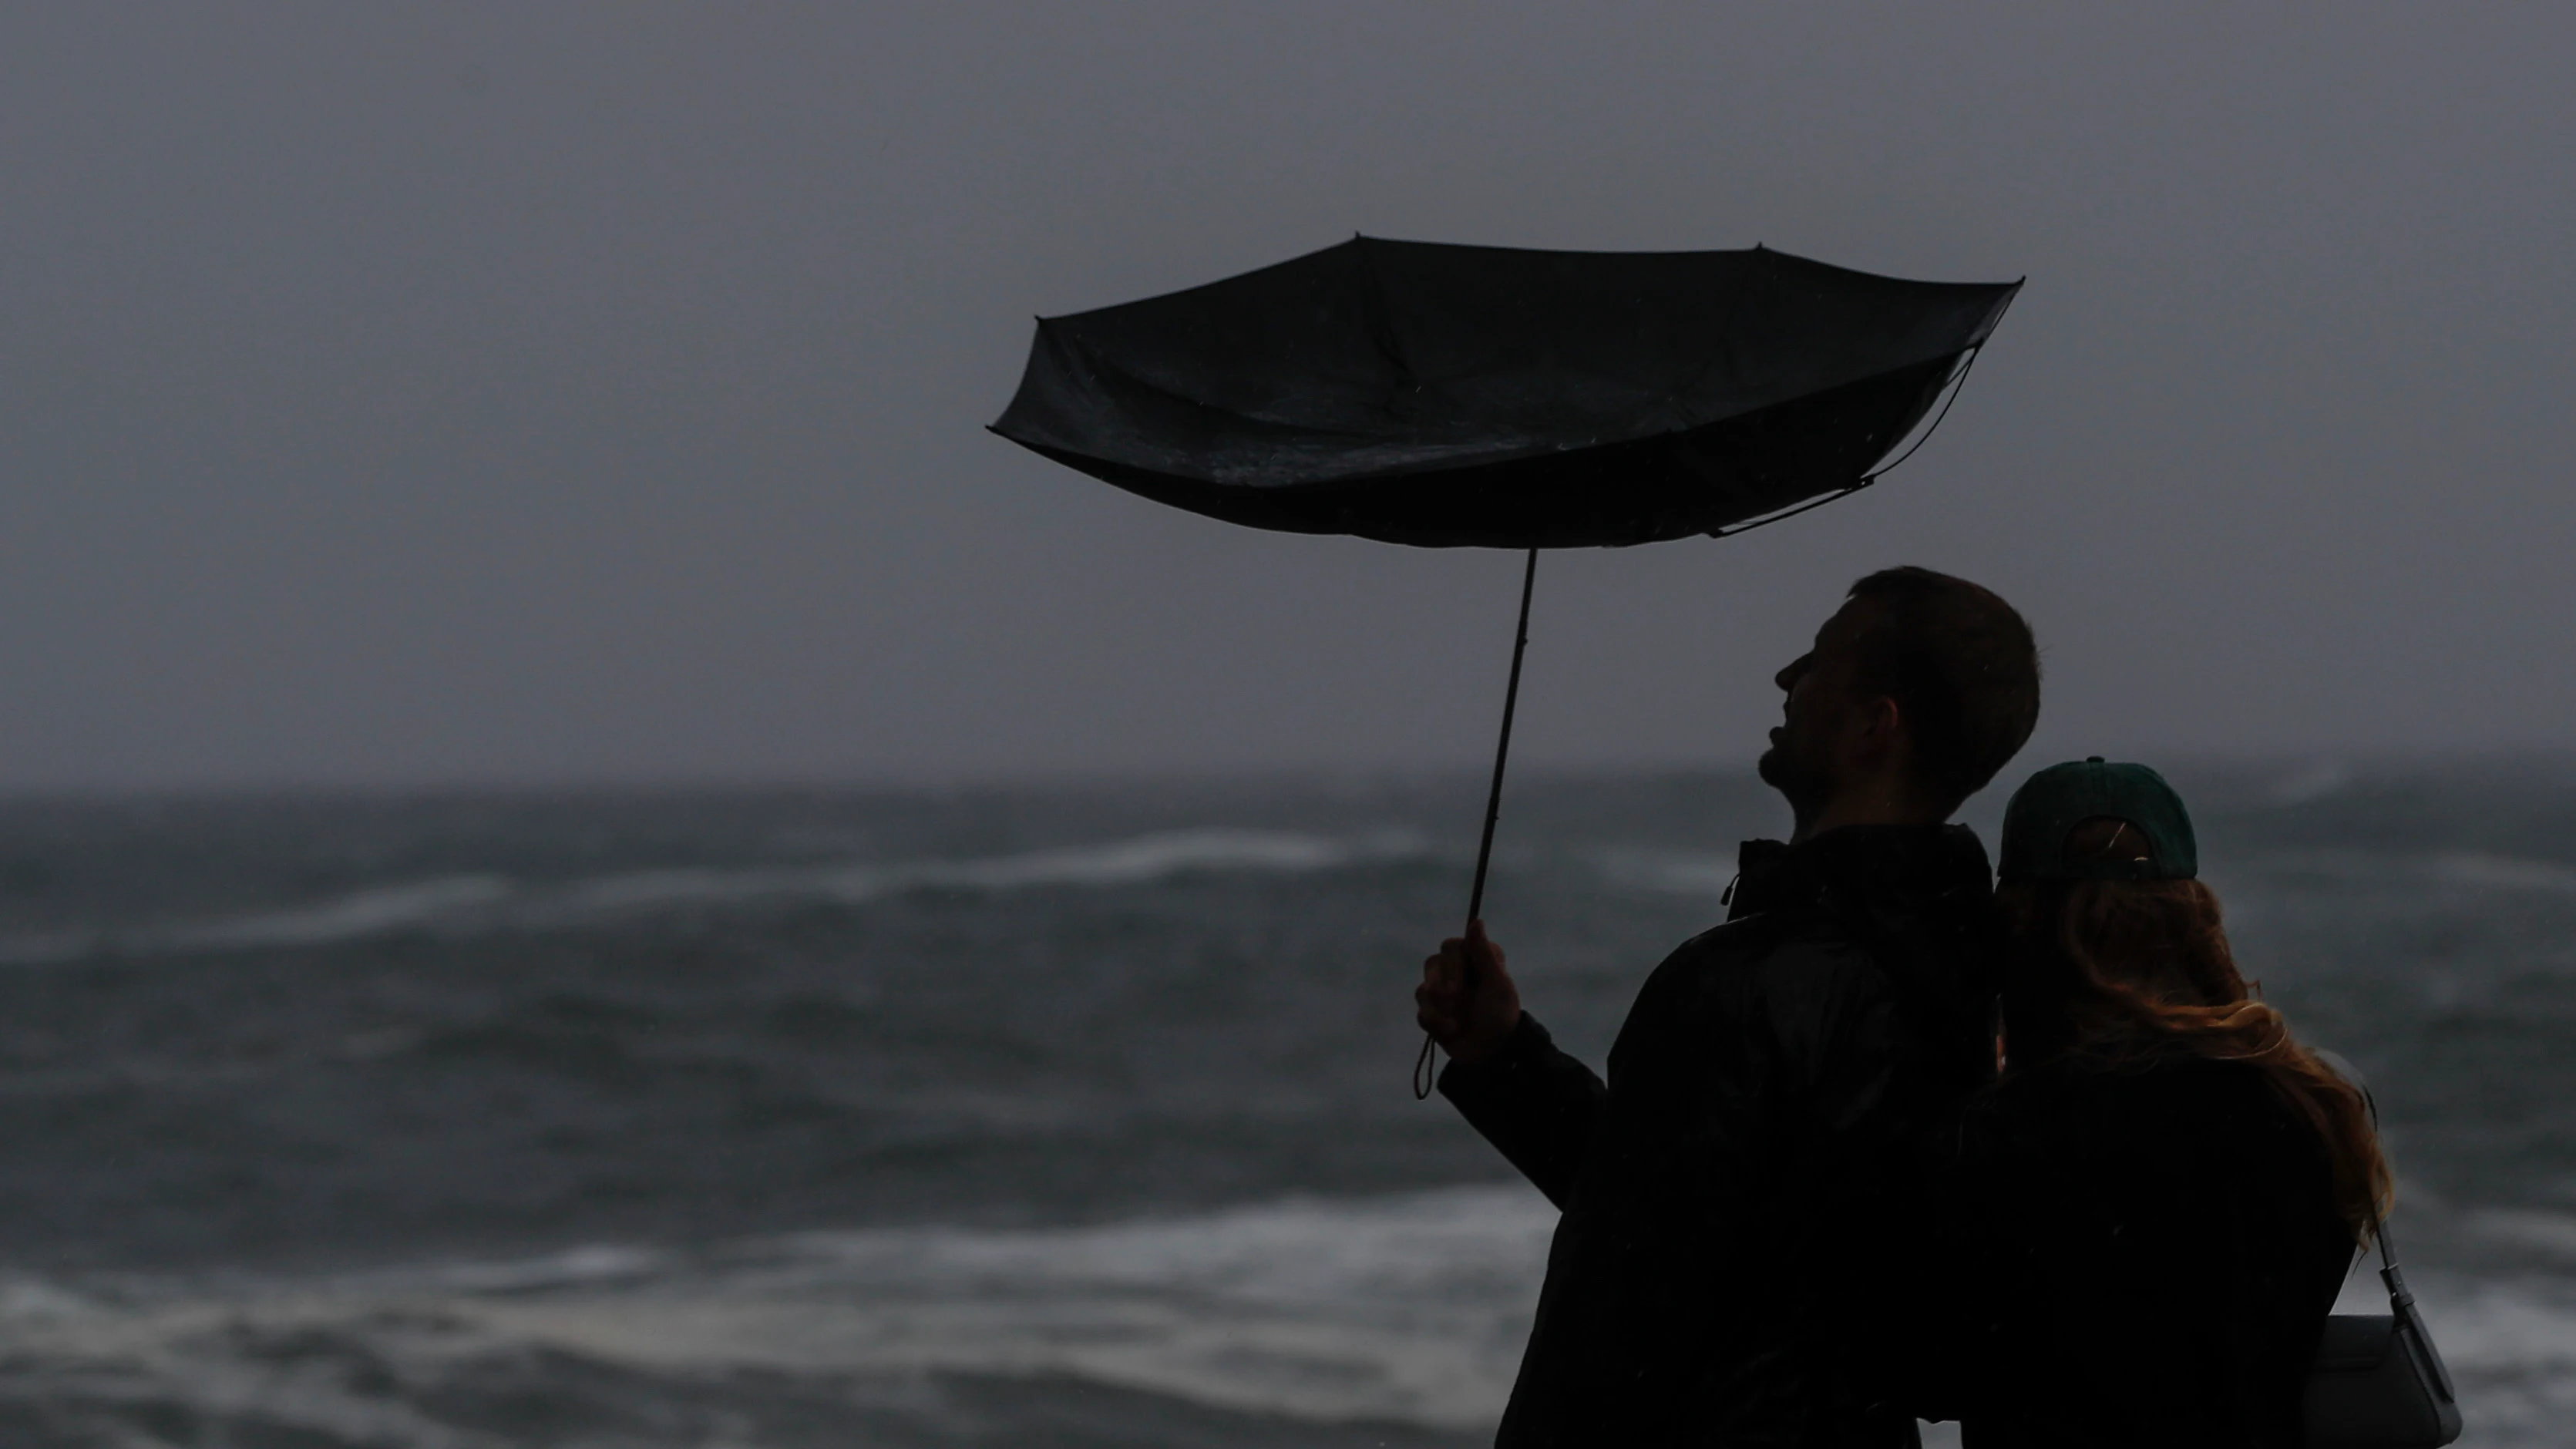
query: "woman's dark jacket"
2130, 1258
1719, 1187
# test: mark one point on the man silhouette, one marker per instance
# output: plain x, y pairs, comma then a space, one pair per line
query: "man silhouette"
1725, 1190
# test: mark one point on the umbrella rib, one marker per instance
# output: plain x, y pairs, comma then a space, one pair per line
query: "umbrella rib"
1794, 510
1381, 319
1958, 384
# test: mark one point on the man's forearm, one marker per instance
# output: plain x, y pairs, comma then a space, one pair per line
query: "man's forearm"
1533, 1102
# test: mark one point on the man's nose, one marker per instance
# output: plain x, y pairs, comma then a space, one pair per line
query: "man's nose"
1787, 678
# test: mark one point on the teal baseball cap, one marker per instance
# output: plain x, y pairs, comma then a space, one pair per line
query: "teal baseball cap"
2049, 806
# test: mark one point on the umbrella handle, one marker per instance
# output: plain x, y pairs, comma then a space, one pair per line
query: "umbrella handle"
1422, 1064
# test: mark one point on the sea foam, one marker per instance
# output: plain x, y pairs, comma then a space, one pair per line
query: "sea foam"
1407, 1309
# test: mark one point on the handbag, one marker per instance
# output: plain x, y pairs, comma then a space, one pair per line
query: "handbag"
2377, 1381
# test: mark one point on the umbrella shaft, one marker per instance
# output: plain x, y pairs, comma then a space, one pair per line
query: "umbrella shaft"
1422, 1064
1503, 746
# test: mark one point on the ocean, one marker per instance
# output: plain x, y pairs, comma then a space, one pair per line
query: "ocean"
1035, 1116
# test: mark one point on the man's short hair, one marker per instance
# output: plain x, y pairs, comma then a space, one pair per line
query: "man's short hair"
1960, 664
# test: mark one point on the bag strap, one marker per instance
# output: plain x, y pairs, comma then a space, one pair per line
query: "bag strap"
2378, 1224
2401, 1299
2389, 1273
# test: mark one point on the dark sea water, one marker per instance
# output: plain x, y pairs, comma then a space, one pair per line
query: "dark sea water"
1047, 1117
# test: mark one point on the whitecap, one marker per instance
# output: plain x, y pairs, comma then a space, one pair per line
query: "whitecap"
1145, 858
1690, 873
2502, 872
2549, 1233
1137, 860
2315, 781
371, 912
483, 903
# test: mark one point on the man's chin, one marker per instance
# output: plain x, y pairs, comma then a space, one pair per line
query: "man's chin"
1773, 769
1781, 773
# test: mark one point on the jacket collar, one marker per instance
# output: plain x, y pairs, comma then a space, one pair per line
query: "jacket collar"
1861, 865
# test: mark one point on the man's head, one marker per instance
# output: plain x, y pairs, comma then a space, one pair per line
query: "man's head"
1916, 692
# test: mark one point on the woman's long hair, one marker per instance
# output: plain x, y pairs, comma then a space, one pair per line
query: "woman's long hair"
2122, 974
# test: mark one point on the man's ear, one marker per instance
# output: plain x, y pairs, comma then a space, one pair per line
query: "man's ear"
1882, 720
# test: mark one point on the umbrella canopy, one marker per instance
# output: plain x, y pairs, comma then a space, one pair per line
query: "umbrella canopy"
1453, 395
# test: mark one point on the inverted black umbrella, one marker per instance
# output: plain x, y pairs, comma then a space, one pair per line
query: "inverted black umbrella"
1488, 396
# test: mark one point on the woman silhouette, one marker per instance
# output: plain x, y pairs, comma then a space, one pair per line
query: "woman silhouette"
2146, 1219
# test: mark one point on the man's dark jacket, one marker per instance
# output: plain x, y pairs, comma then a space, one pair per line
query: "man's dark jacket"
1725, 1190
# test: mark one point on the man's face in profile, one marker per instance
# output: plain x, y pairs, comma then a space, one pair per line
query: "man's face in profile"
1822, 697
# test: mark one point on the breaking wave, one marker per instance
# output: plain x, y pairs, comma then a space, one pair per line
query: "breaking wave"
471, 903
1407, 1310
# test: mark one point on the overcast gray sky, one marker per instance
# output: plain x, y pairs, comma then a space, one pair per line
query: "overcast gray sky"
453, 393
